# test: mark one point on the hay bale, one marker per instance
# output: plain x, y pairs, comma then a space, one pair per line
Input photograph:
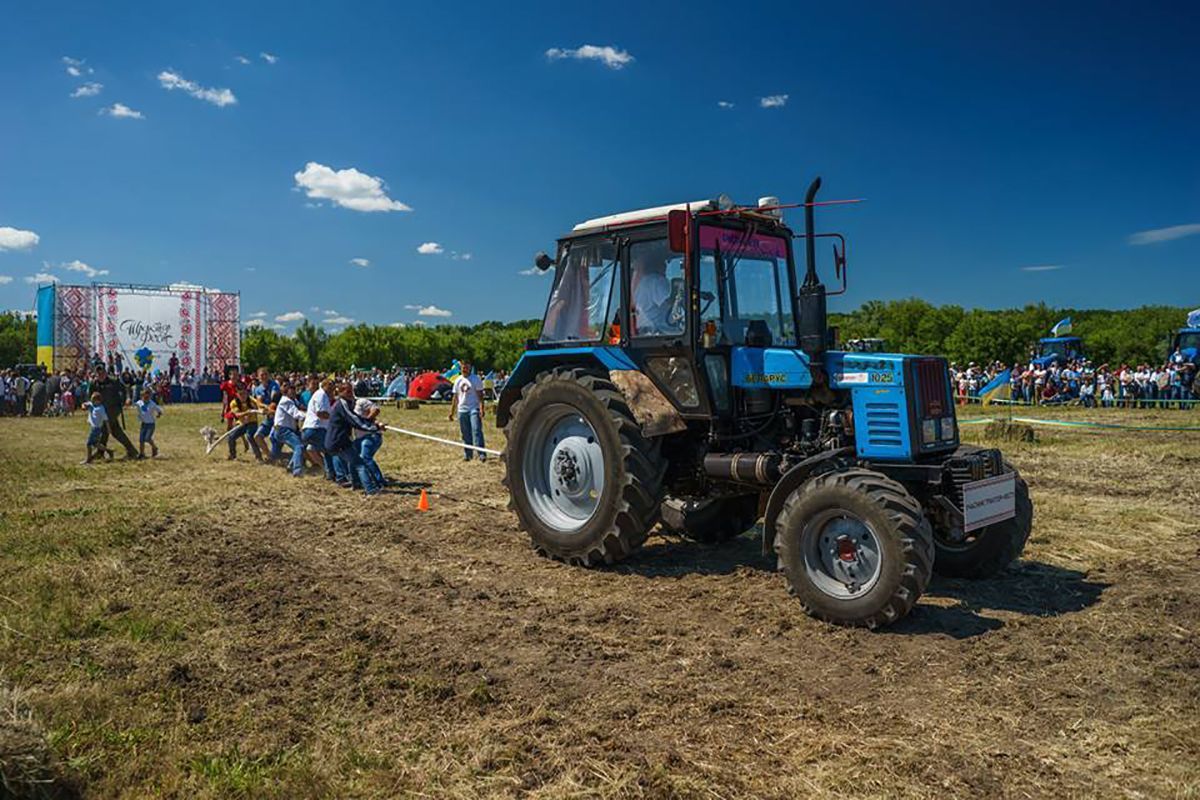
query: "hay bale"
412, 405
1004, 431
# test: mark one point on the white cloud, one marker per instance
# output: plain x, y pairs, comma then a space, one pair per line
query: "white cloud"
337, 321
460, 256
122, 111
610, 56
349, 188
1043, 268
241, 60
534, 272
316, 309
431, 311
724, 104
79, 266
42, 277
75, 66
290, 316
430, 249
397, 325
267, 57
254, 323
360, 262
5, 279
218, 97
1165, 234
259, 314
90, 89
17, 239
329, 312
279, 327
773, 101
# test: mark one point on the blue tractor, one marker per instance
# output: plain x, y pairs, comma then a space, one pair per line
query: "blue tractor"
1186, 342
684, 375
1058, 348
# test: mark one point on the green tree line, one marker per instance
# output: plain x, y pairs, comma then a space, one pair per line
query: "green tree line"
489, 345
909, 326
963, 335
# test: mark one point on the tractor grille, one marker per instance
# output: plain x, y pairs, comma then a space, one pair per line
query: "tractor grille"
933, 387
883, 424
972, 467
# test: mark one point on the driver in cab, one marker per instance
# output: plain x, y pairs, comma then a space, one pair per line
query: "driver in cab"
652, 296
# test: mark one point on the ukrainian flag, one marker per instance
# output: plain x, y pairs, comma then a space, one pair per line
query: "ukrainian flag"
998, 388
454, 371
1063, 326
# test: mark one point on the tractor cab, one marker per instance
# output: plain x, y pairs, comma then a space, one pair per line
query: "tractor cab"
1186, 341
697, 296
1058, 348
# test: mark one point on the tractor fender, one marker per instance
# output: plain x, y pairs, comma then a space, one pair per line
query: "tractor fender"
651, 408
534, 362
792, 480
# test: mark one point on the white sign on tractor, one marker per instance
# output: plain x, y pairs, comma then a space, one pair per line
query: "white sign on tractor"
989, 501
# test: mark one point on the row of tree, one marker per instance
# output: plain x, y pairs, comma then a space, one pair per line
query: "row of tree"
908, 326
489, 345
962, 335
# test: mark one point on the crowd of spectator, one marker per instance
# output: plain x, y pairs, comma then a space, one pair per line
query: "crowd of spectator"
1077, 381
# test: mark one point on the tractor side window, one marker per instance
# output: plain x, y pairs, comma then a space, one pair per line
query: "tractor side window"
750, 284
579, 308
710, 300
659, 306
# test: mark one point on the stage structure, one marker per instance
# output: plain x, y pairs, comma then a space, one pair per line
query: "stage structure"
201, 327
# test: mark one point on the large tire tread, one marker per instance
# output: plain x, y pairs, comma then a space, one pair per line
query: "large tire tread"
638, 505
913, 529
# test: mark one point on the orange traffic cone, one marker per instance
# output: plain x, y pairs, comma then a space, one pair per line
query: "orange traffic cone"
423, 503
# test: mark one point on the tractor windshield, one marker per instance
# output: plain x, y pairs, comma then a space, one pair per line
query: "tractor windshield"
1062, 350
1188, 340
578, 310
744, 276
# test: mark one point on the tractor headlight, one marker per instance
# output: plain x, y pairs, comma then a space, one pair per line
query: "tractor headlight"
929, 431
947, 426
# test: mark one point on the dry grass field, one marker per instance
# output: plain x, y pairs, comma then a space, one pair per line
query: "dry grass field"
189, 627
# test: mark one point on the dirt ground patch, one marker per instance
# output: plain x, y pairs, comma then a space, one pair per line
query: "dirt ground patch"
193, 627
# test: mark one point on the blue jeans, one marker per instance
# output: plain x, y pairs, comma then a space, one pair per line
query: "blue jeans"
314, 439
470, 425
146, 434
368, 446
286, 436
353, 464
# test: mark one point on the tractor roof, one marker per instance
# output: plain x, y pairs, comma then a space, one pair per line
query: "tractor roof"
642, 215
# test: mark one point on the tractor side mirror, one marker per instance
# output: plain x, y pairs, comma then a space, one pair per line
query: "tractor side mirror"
677, 230
542, 261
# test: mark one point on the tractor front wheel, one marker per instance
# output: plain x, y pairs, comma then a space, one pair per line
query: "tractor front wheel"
584, 482
855, 548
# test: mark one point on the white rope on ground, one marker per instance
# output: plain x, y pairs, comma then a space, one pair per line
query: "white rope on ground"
443, 441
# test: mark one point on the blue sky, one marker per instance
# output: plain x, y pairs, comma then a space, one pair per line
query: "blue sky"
987, 139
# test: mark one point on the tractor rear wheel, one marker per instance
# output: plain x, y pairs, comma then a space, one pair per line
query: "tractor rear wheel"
585, 484
710, 520
987, 551
855, 548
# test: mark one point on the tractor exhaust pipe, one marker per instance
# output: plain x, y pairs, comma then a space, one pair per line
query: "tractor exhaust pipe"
811, 300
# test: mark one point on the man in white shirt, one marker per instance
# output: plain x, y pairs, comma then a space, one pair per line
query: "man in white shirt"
651, 293
283, 431
316, 420
467, 401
